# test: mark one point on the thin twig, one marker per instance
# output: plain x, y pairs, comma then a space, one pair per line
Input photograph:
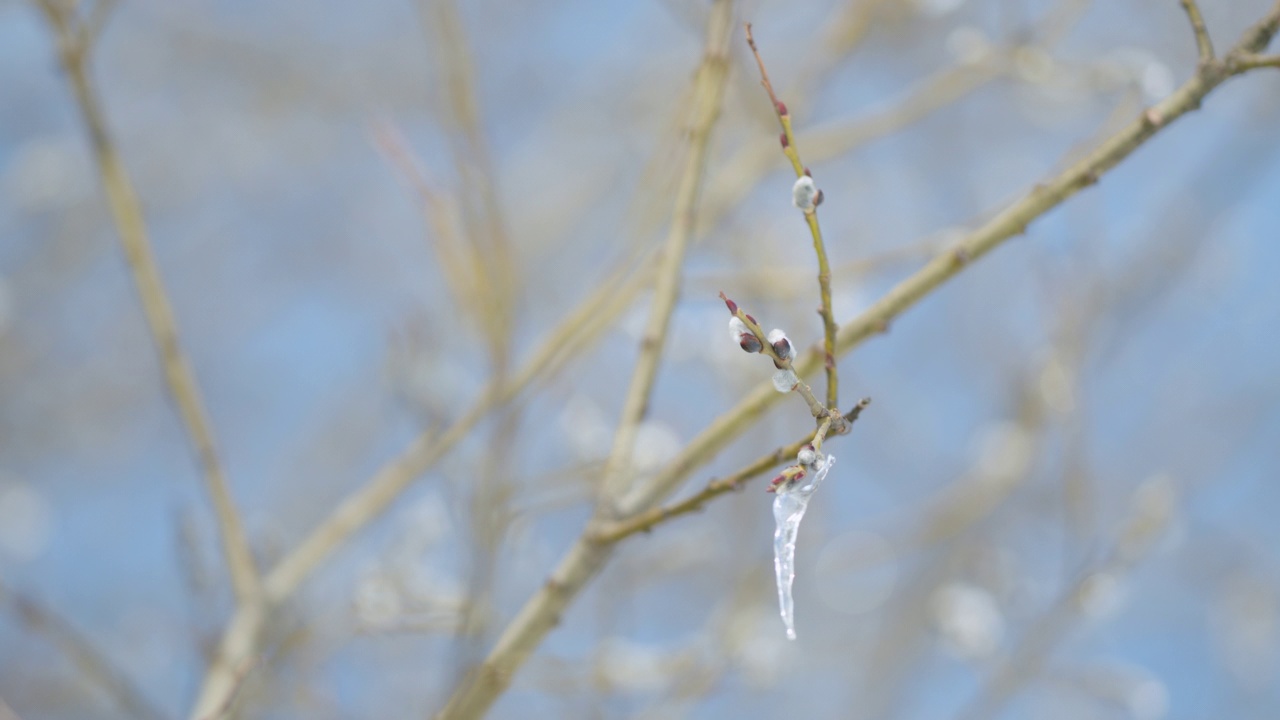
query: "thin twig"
131, 226
238, 645
1252, 61
479, 690
6, 712
648, 520
586, 557
811, 219
241, 674
709, 85
1204, 45
92, 663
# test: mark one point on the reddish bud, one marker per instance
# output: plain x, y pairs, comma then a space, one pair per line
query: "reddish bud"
750, 343
817, 199
808, 173
753, 320
781, 107
733, 306
783, 348
783, 139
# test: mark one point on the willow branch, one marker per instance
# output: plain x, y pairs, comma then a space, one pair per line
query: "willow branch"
92, 663
1204, 45
131, 227
708, 91
1252, 61
484, 685
595, 314
587, 556
649, 519
811, 219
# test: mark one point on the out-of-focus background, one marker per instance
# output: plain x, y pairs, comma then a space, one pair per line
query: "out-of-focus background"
1060, 505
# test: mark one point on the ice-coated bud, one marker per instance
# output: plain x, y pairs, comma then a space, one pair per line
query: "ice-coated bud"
742, 335
784, 380
804, 193
806, 456
781, 345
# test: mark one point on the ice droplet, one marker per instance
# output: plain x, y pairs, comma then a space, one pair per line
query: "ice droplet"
788, 510
784, 380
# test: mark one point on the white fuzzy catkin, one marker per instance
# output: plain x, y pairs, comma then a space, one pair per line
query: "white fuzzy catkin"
804, 193
737, 328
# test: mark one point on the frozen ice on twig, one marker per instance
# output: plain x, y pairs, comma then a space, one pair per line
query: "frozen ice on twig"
789, 507
784, 380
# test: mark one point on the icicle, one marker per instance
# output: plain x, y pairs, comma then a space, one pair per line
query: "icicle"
788, 510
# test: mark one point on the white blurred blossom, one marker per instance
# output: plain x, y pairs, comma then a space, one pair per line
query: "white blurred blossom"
968, 620
656, 443
763, 654
1139, 693
1004, 453
585, 427
1139, 69
1101, 595
47, 173
1056, 386
634, 667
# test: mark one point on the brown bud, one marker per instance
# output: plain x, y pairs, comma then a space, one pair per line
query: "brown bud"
817, 199
781, 107
783, 139
733, 306
750, 343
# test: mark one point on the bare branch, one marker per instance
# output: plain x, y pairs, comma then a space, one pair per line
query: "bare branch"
648, 520
1203, 44
132, 229
708, 92
94, 665
587, 556
481, 687
1253, 61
